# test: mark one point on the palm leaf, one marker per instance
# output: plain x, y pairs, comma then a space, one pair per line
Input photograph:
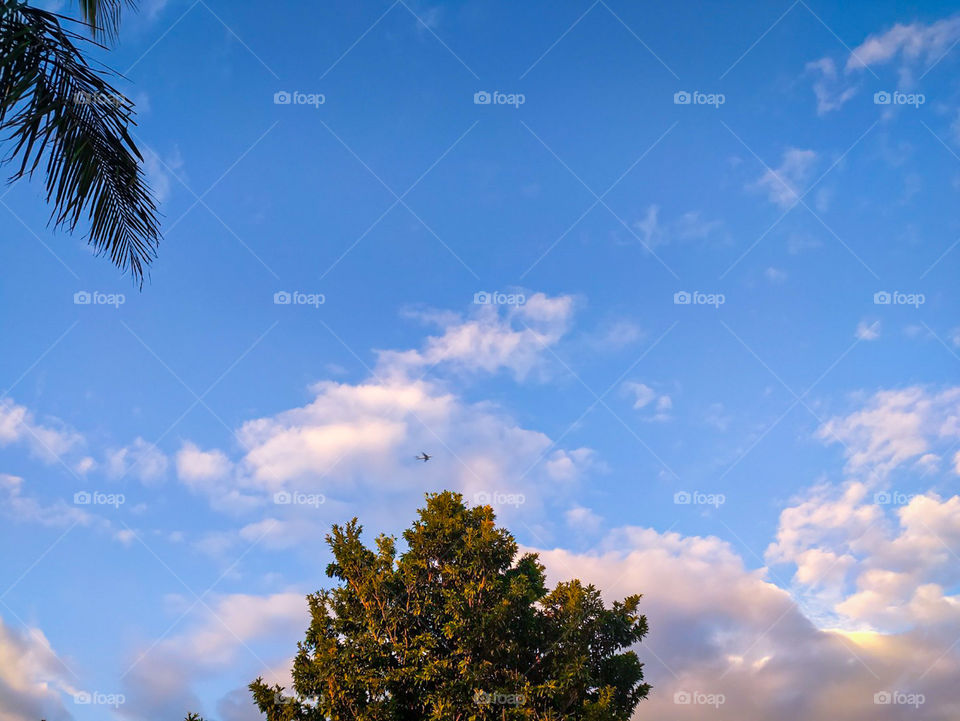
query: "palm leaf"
58, 111
103, 16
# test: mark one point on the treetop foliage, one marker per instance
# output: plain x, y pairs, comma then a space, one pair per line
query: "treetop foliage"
457, 626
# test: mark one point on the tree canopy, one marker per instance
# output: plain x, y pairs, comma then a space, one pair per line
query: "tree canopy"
457, 626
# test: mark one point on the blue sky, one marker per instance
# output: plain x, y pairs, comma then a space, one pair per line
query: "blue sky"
811, 425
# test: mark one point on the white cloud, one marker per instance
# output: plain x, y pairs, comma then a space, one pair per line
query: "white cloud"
782, 184
823, 515
162, 171
717, 627
869, 569
644, 396
829, 87
46, 442
153, 8
870, 556
688, 226
717, 416
911, 44
278, 534
352, 439
868, 331
195, 465
22, 508
427, 17
365, 424
236, 618
221, 635
896, 427
615, 335
775, 275
350, 434
32, 677
140, 459
583, 519
515, 339
797, 244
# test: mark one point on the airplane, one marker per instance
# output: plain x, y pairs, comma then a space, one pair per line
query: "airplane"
424, 457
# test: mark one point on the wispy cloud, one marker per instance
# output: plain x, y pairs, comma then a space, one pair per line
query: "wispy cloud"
783, 185
686, 227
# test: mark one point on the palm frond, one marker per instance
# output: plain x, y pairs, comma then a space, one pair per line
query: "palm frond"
56, 109
103, 16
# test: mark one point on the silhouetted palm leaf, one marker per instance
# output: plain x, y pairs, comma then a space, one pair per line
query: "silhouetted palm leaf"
103, 16
56, 109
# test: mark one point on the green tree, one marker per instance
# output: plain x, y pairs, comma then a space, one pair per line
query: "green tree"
458, 626
62, 116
